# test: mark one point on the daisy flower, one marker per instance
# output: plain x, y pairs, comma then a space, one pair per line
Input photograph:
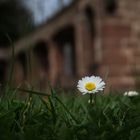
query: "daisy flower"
90, 84
131, 93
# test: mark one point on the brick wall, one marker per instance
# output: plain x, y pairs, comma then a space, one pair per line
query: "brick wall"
120, 45
114, 48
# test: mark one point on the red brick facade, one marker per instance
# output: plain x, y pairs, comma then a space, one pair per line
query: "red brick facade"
88, 37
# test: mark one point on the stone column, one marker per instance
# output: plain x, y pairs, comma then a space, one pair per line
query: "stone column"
98, 26
33, 75
18, 77
54, 62
83, 45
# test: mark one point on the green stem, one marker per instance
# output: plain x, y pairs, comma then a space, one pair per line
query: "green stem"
95, 98
91, 98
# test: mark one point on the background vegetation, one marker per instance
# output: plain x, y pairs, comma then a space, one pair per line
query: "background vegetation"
15, 21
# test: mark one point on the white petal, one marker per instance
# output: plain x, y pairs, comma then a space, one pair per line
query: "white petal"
100, 84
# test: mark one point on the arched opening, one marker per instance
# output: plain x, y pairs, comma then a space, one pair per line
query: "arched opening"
22, 58
20, 69
3, 69
90, 15
41, 62
66, 43
110, 6
91, 26
41, 52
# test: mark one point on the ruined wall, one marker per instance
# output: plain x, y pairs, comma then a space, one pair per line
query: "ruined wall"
120, 45
89, 37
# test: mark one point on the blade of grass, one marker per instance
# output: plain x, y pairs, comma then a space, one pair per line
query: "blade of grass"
8, 85
67, 110
53, 111
33, 92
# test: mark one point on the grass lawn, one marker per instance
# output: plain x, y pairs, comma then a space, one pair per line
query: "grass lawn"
43, 116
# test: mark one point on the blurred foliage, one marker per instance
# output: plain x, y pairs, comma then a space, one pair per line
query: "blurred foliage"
15, 21
70, 117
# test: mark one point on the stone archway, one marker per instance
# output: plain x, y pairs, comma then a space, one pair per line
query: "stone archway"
41, 63
20, 68
65, 53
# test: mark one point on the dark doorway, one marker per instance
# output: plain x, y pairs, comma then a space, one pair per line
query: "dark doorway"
41, 52
65, 39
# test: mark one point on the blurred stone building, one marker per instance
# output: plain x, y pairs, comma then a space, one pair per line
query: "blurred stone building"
88, 37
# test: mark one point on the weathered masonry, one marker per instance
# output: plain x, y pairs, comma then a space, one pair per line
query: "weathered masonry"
89, 37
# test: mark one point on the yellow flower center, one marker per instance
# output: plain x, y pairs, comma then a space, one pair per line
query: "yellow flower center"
90, 86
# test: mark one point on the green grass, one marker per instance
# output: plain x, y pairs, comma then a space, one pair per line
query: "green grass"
68, 117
